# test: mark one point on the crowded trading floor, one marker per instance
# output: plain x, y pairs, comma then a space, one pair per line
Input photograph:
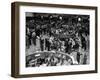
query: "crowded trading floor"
57, 39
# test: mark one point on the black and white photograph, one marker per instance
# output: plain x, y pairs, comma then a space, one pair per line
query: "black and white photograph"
53, 39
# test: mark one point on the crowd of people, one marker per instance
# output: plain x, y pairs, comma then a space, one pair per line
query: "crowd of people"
63, 33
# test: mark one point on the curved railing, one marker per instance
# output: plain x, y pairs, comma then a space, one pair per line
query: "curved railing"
31, 59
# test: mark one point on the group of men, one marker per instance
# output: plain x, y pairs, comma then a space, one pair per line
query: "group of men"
65, 37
